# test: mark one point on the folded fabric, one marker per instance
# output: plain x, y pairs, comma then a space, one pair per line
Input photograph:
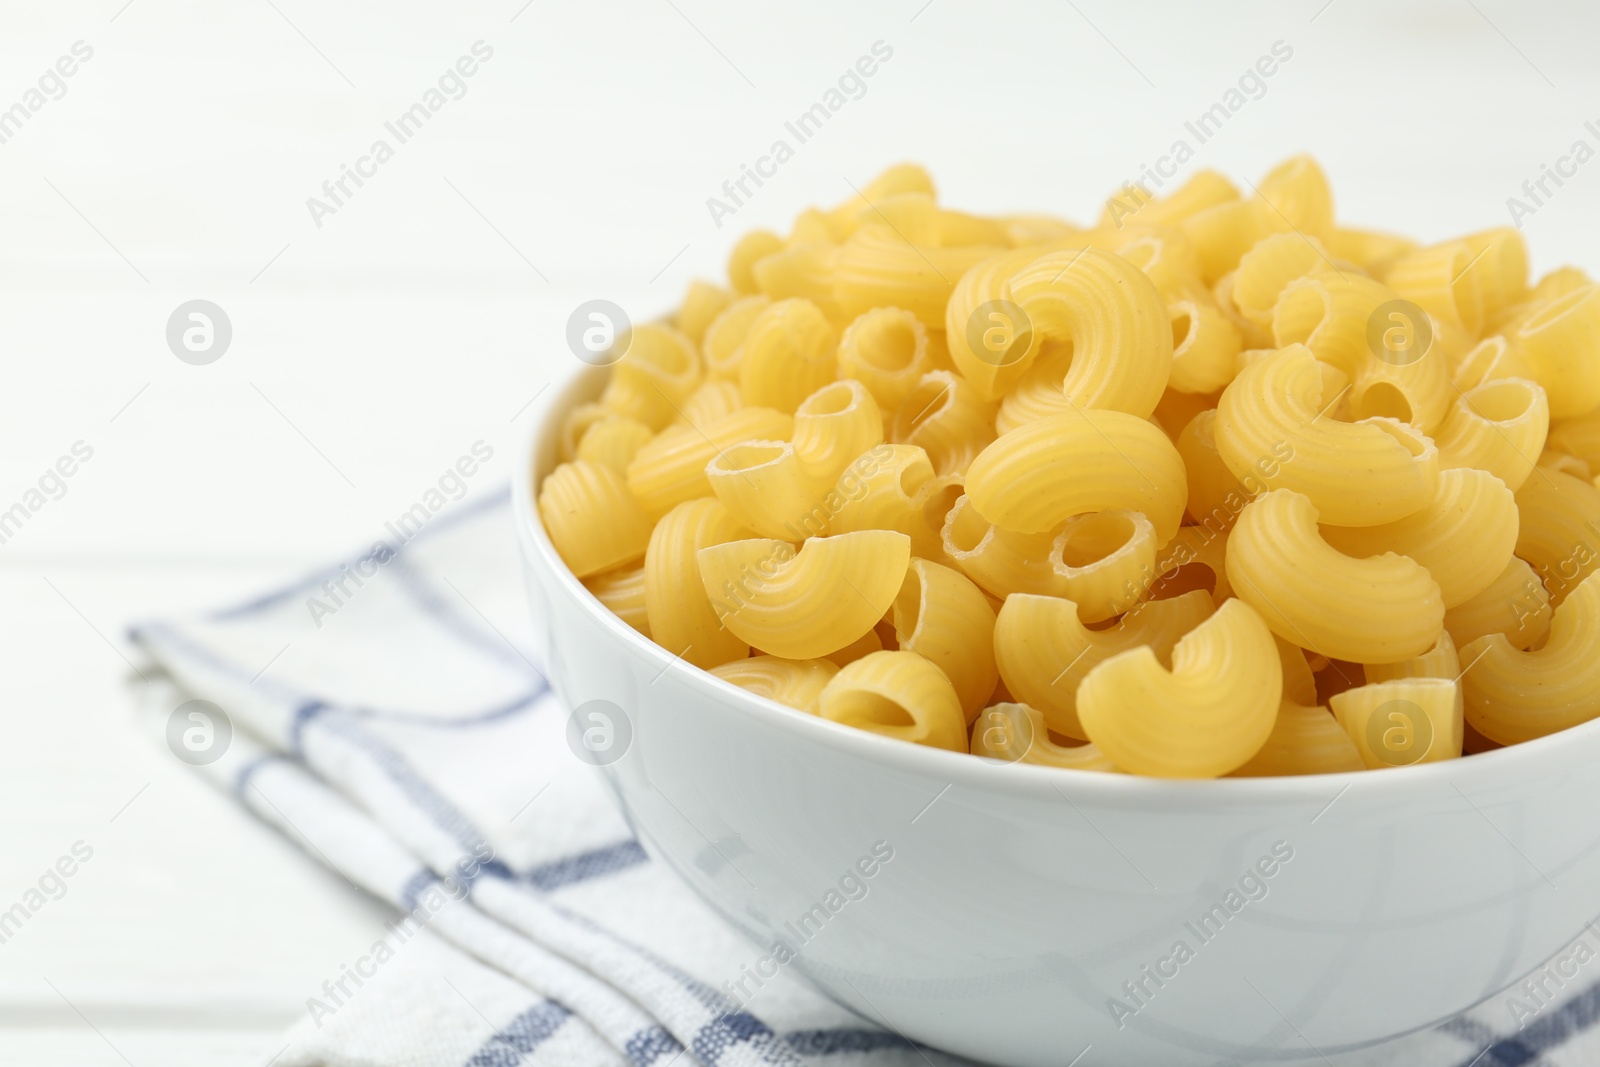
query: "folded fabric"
386, 714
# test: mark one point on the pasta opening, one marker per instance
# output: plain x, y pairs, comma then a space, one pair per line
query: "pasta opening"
912, 478
833, 399
1182, 325
887, 341
941, 502
749, 455
1408, 435
908, 606
1384, 398
879, 710
964, 528
1094, 537
1185, 578
1502, 401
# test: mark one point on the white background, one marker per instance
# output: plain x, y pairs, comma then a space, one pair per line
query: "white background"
370, 352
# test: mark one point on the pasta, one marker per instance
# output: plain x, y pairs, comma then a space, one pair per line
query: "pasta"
1220, 485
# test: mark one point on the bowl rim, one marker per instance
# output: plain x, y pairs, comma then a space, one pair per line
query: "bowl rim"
1482, 770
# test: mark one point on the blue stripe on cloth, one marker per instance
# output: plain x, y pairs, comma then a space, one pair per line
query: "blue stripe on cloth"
595, 863
835, 1042
521, 1036
717, 1036
649, 1045
1545, 1033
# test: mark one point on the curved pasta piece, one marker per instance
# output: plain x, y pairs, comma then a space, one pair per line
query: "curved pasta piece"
1374, 610
576, 424
803, 271
789, 353
1038, 392
1578, 437
1464, 535
1205, 189
711, 400
883, 497
1329, 314
1560, 529
682, 620
1305, 739
659, 368
1251, 336
1015, 733
747, 252
1515, 604
672, 468
880, 266
1500, 427
899, 695
613, 442
1372, 251
1196, 558
1516, 696
764, 485
1116, 320
1205, 717
1559, 342
1440, 661
833, 427
1299, 684
1042, 473
722, 347
1224, 232
1298, 193
864, 645
805, 605
932, 505
897, 180
1356, 474
1419, 392
593, 521
1500, 268
622, 592
1165, 255
1205, 346
1043, 650
797, 683
886, 349
1177, 410
978, 310
1270, 265
701, 306
1216, 495
940, 615
945, 417
1402, 721
1438, 280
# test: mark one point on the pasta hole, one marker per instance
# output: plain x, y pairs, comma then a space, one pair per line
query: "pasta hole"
832, 399
1384, 398
908, 606
967, 529
1184, 579
880, 710
1337, 677
1091, 538
749, 455
1182, 327
1501, 401
890, 342
912, 478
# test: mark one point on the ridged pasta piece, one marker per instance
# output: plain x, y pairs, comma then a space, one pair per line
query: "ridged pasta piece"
1560, 530
1223, 233
622, 592
883, 496
1516, 696
1402, 721
833, 427
576, 423
1488, 360
1329, 314
1440, 661
701, 306
881, 266
805, 605
1374, 610
1038, 392
1205, 189
1515, 604
711, 400
592, 519
672, 468
1177, 410
1419, 392
1552, 459
1499, 267
1116, 320
1305, 739
682, 620
1166, 257
1559, 342
1437, 279
1203, 718
659, 370
723, 343
1045, 472
1015, 733
1356, 474
886, 349
940, 615
613, 442
765, 486
747, 251
797, 683
864, 645
1270, 265
1500, 427
1216, 495
978, 310
1578, 437
1043, 649
803, 272
1299, 684
1464, 535
897, 180
1374, 252
789, 353
1205, 346
811, 226
899, 695
933, 504
1298, 194
1250, 335
945, 417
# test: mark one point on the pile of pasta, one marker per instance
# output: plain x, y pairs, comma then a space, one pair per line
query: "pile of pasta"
1216, 486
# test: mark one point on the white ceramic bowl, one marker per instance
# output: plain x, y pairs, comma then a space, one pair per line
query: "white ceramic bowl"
1020, 900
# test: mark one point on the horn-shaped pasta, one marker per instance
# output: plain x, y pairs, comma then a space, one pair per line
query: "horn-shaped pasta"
659, 368
1205, 346
832, 427
1216, 496
1464, 535
1328, 313
613, 442
1038, 392
1516, 696
945, 417
1419, 392
805, 605
897, 694
1298, 194
1006, 347
1402, 721
1269, 267
723, 343
1204, 190
1516, 604
797, 683
1224, 232
1560, 531
1043, 649
1373, 252
578, 422
940, 615
1559, 342
1016, 733
701, 306
622, 592
789, 353
1356, 474
672, 468
883, 497
1043, 473
803, 272
1437, 280
897, 180
1305, 739
764, 485
747, 252
1116, 320
1500, 427
1165, 255
592, 519
886, 349
1500, 267
1374, 610
682, 620
711, 400
1299, 683
1205, 717
880, 266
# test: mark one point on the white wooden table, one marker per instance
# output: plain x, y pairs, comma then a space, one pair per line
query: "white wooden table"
425, 313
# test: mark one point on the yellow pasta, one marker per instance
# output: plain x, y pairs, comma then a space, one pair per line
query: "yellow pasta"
1205, 717
797, 683
1216, 495
682, 619
765, 485
1437, 279
702, 304
592, 519
750, 249
1373, 252
882, 494
658, 371
1402, 721
723, 343
1500, 269
1500, 427
1205, 346
1195, 558
886, 349
945, 417
881, 266
864, 645
1305, 739
1166, 257
1205, 189
576, 423
1515, 604
1038, 392
1560, 529
992, 340
1299, 684
1579, 437
671, 468
789, 353
899, 695
1269, 267
1515, 696
895, 181
806, 604
710, 401
940, 615
1559, 343
803, 272
613, 441
622, 592
1043, 650
1330, 313
1374, 610
832, 427
1015, 733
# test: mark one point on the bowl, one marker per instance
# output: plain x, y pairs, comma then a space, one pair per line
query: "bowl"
1018, 914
